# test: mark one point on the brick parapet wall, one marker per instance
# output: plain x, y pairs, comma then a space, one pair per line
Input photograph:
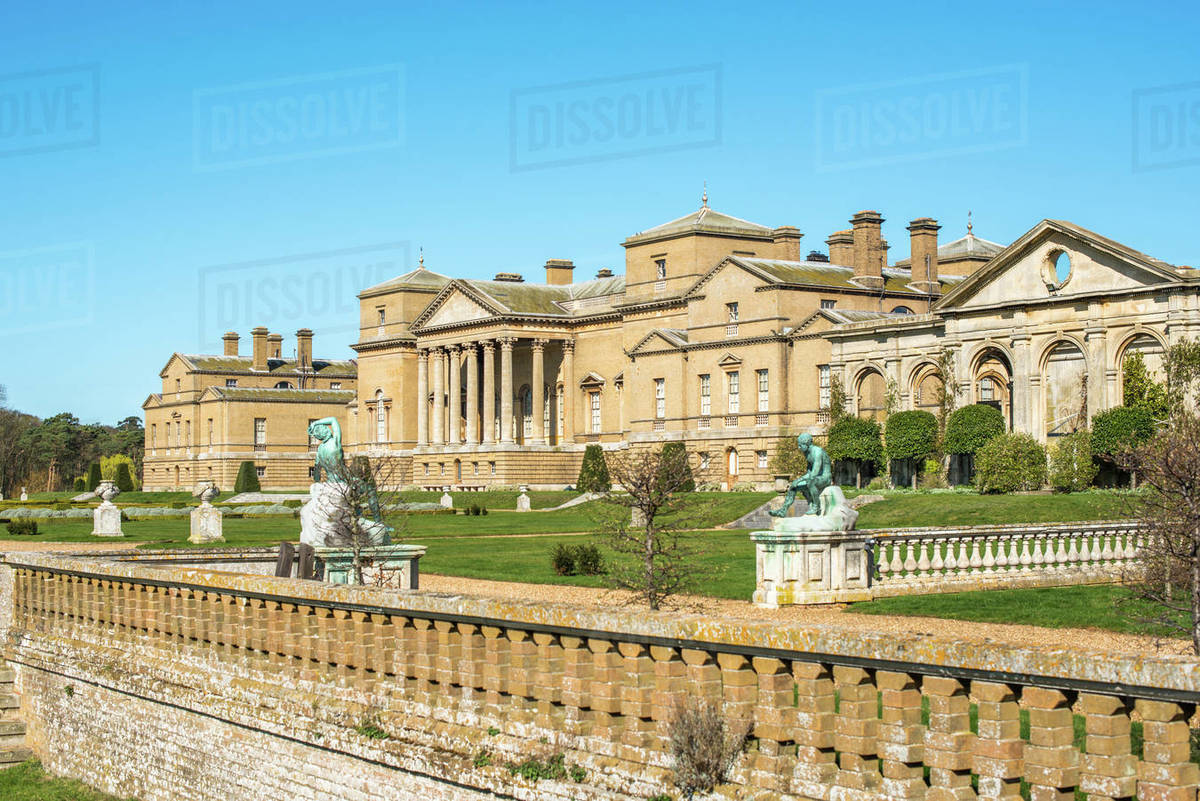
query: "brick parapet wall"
188, 683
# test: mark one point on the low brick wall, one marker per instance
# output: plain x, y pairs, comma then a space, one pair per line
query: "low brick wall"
166, 682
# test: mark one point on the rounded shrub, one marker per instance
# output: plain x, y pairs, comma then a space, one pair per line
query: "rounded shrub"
1072, 466
593, 473
855, 439
1009, 463
970, 428
1120, 429
911, 435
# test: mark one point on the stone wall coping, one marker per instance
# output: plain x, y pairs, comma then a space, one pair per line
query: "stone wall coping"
1164, 677
1001, 528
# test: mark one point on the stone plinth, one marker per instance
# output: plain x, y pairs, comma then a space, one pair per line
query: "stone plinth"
106, 521
393, 566
206, 524
446, 500
523, 504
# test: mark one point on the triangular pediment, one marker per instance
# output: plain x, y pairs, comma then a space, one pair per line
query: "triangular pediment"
729, 361
660, 339
729, 262
456, 304
1025, 270
592, 380
176, 358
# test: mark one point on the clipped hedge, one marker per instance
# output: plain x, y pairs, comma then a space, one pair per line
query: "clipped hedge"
593, 473
1119, 429
970, 428
93, 476
247, 479
124, 481
1009, 463
855, 439
911, 435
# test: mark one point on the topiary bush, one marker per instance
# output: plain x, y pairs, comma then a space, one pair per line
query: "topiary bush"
1120, 429
81, 484
93, 476
857, 441
593, 473
970, 428
124, 481
247, 479
1072, 466
23, 526
674, 455
910, 436
1009, 463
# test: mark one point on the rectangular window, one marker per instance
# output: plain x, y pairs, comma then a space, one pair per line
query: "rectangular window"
828, 304
987, 389
261, 472
188, 428
177, 387
231, 382
660, 268
732, 309
178, 434
313, 442
764, 390
705, 395
260, 433
594, 399
704, 461
335, 384
492, 466
660, 398
760, 458
734, 399
823, 385
382, 316
210, 432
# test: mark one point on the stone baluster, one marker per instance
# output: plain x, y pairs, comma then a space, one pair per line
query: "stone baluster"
670, 687
923, 562
964, 561
1097, 552
1051, 759
937, 563
882, 563
948, 740
1004, 543
1037, 560
1118, 546
901, 736
577, 685
1107, 553
976, 559
1166, 771
857, 730
1085, 553
999, 749
910, 559
1061, 557
773, 725
989, 559
897, 564
1109, 768
951, 556
1072, 550
1026, 560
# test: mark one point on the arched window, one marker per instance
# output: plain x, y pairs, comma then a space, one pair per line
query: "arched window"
380, 417
902, 310
546, 397
526, 412
872, 395
284, 385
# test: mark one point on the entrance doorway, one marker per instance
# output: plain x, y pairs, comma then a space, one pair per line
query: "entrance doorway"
731, 467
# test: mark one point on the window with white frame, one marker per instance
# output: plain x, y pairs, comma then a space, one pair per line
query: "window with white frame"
231, 382
987, 389
660, 269
760, 458
828, 304
594, 401
823, 385
546, 396
660, 398
261, 472
732, 310
178, 433
705, 395
704, 461
153, 436
764, 390
335, 384
210, 433
733, 403
380, 417
260, 432
188, 428
526, 412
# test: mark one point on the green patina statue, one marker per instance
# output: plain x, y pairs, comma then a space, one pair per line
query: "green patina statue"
818, 477
329, 462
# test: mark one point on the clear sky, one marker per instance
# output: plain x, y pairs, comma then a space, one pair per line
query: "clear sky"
169, 170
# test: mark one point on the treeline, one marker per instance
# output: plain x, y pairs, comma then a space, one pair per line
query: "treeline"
49, 454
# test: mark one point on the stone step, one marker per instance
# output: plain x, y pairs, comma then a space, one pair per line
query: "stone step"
11, 755
12, 732
9, 701
7, 675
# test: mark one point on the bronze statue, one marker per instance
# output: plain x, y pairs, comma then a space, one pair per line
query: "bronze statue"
818, 477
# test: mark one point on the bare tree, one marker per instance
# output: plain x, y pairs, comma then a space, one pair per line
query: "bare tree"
643, 524
1169, 512
367, 491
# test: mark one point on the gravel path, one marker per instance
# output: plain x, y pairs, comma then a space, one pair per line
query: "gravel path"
832, 615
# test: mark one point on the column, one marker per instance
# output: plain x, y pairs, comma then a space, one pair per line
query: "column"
422, 397
506, 389
1097, 364
454, 406
539, 392
569, 391
489, 392
438, 434
472, 393
1022, 399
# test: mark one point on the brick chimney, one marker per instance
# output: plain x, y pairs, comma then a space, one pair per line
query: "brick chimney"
259, 335
841, 248
275, 346
868, 248
304, 348
923, 234
231, 343
559, 271
787, 242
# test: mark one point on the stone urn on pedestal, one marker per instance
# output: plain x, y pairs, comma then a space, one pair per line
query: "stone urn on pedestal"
106, 519
206, 524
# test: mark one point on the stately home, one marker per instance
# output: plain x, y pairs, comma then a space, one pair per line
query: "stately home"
714, 336
720, 334
216, 411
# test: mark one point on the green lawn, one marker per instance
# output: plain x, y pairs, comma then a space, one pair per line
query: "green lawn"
1103, 606
920, 509
28, 782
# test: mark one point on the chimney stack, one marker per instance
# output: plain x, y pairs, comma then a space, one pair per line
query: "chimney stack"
604, 273
868, 248
275, 346
231, 343
923, 234
787, 242
259, 336
559, 271
841, 248
304, 348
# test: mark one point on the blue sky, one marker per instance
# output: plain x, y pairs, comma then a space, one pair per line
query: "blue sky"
170, 169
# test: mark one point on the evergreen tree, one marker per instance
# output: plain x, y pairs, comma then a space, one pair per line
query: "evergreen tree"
81, 484
124, 480
593, 473
675, 455
247, 479
93, 476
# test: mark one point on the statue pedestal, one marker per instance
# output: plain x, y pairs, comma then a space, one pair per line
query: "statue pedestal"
391, 566
812, 559
106, 521
206, 524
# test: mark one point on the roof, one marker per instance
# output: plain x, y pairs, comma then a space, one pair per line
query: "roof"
1112, 244
325, 368
420, 278
704, 220
543, 300
824, 274
272, 394
967, 247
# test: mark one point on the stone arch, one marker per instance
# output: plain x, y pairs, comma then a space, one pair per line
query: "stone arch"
926, 387
1153, 349
870, 393
992, 378
1063, 370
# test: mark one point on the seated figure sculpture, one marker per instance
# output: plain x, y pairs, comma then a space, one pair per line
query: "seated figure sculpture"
812, 483
331, 515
